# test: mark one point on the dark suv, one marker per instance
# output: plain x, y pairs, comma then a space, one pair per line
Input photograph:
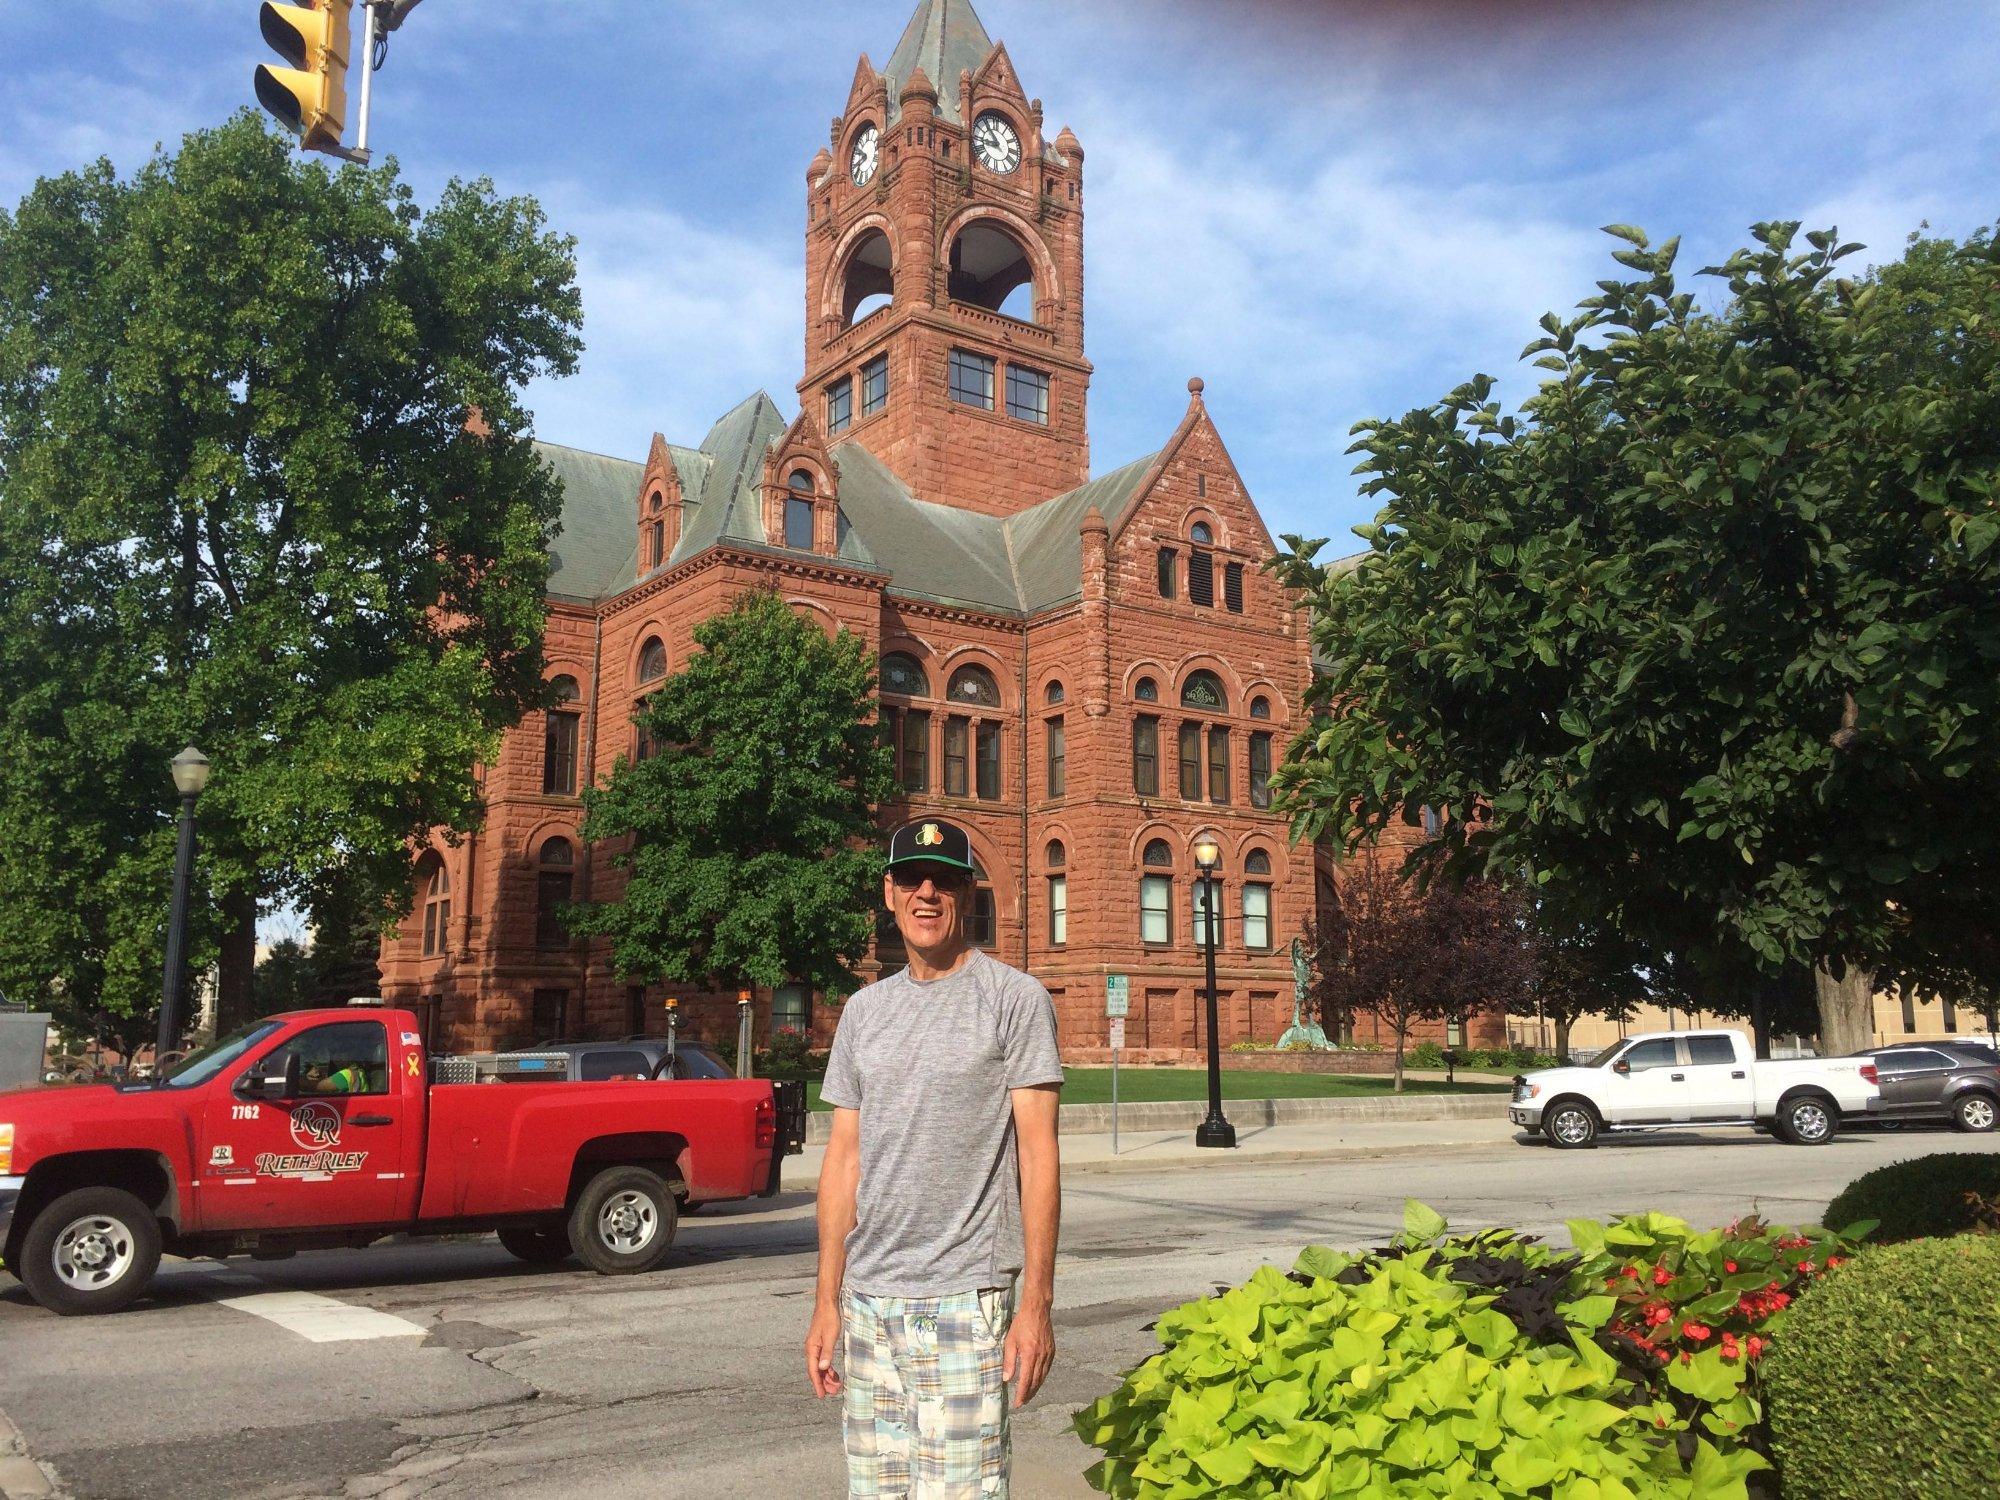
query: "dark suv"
1955, 1082
628, 1057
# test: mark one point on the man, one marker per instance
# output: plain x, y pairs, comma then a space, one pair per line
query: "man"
940, 1185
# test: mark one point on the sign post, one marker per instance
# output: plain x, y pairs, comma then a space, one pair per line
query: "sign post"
1117, 1001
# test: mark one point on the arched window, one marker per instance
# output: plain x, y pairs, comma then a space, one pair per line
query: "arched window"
1201, 565
868, 284
1146, 690
974, 684
1257, 901
437, 910
1058, 754
1054, 693
652, 660
555, 877
1156, 894
1204, 690
1055, 854
1146, 756
559, 740
1260, 708
1260, 768
799, 511
1201, 534
1058, 882
907, 731
1257, 862
656, 532
904, 674
989, 269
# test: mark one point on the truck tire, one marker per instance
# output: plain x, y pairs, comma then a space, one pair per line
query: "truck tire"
538, 1247
1807, 1120
624, 1221
1570, 1125
90, 1251
1974, 1112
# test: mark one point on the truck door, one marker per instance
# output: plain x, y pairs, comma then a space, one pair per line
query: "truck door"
1718, 1079
335, 1155
1643, 1089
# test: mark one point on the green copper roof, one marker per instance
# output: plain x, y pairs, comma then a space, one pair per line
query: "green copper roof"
943, 38
593, 551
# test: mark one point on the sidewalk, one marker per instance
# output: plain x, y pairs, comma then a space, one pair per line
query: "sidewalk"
1308, 1140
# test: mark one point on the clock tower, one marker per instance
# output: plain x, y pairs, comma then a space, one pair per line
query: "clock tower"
944, 275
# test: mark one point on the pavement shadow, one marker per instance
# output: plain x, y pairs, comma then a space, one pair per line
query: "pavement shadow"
1655, 1140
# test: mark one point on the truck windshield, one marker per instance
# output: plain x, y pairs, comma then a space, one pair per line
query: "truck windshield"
1603, 1059
198, 1067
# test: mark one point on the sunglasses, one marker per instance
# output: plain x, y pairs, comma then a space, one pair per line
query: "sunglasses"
910, 877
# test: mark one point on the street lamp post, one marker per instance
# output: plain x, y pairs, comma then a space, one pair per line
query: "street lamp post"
190, 776
1215, 1130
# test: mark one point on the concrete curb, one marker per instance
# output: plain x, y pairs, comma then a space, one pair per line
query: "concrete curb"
1176, 1114
21, 1478
1136, 1162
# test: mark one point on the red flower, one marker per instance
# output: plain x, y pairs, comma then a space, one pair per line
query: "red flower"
1835, 1260
1729, 1266
1661, 1276
1756, 1346
1781, 1300
1686, 1358
1807, 1268
1695, 1331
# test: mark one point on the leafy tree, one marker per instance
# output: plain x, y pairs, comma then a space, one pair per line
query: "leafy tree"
751, 854
1711, 629
265, 486
1578, 972
1402, 953
285, 978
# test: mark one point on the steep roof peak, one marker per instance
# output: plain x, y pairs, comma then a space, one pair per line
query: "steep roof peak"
944, 38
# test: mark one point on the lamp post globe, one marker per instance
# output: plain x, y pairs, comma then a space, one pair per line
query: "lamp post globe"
1214, 1131
190, 772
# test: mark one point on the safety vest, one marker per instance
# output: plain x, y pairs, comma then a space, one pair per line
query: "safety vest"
349, 1080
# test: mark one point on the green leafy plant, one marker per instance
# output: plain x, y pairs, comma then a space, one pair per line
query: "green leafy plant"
1917, 1199
1462, 1366
1427, 1055
1883, 1387
790, 1048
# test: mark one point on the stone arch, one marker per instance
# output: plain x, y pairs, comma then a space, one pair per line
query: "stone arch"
1160, 674
854, 266
1206, 515
551, 828
1204, 661
652, 630
986, 270
1258, 839
986, 657
1263, 687
1166, 832
818, 613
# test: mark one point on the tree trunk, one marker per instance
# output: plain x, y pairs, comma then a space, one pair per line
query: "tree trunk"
1846, 1010
236, 963
1563, 1024
1402, 1035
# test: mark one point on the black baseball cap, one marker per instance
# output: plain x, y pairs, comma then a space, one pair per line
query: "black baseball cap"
930, 841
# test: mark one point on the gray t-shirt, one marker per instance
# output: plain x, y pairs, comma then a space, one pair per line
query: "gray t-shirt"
929, 1065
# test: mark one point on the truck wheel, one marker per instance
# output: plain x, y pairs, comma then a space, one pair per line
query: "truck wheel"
1570, 1124
538, 1247
1974, 1112
1808, 1121
90, 1251
624, 1222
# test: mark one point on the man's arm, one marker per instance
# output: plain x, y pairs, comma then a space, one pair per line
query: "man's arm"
1031, 1342
839, 1181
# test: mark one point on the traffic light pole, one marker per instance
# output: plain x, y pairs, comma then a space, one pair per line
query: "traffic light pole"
360, 151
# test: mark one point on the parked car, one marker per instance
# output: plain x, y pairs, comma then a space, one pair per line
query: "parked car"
1680, 1078
628, 1057
1958, 1082
324, 1128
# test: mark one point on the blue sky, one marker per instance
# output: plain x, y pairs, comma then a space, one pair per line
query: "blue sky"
1328, 212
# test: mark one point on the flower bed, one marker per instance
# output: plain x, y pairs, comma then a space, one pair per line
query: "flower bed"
1474, 1365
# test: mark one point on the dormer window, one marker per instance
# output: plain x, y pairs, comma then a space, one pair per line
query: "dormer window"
799, 511
655, 549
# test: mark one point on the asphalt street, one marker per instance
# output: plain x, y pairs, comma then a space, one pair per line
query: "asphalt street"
450, 1369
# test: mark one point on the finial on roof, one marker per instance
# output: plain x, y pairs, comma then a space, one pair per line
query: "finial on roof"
918, 86
1093, 521
817, 167
1195, 387
1070, 148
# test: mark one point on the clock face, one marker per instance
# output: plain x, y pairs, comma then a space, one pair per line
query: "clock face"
995, 144
861, 164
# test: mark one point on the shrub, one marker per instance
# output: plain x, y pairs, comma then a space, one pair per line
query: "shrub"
1883, 1388
1910, 1200
1425, 1055
1479, 1365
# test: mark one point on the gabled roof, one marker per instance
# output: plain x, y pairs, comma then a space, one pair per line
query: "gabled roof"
593, 551
943, 38
1048, 556
726, 503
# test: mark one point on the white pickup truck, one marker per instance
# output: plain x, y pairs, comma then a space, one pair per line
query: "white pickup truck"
1681, 1078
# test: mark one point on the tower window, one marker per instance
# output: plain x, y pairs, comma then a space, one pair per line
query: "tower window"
971, 379
1232, 587
1058, 757
656, 543
1146, 756
990, 269
1169, 567
839, 405
1260, 770
874, 385
1190, 745
1028, 395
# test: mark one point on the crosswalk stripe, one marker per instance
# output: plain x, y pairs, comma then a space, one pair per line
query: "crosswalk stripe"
321, 1320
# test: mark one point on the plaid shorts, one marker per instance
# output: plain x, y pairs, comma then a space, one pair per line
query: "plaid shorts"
926, 1409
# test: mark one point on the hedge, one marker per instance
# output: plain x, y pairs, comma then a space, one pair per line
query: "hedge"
1917, 1199
1883, 1387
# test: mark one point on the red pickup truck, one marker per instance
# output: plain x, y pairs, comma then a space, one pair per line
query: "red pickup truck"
323, 1128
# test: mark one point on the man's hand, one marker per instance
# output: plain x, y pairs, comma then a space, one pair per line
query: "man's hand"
1029, 1351
822, 1343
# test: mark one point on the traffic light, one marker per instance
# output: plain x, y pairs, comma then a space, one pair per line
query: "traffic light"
310, 96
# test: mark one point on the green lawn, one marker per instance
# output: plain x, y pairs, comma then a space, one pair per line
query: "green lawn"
1137, 1085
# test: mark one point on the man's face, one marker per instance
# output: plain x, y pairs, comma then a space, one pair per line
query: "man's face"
928, 902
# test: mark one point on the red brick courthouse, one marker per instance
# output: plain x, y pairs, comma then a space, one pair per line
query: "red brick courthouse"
1089, 673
